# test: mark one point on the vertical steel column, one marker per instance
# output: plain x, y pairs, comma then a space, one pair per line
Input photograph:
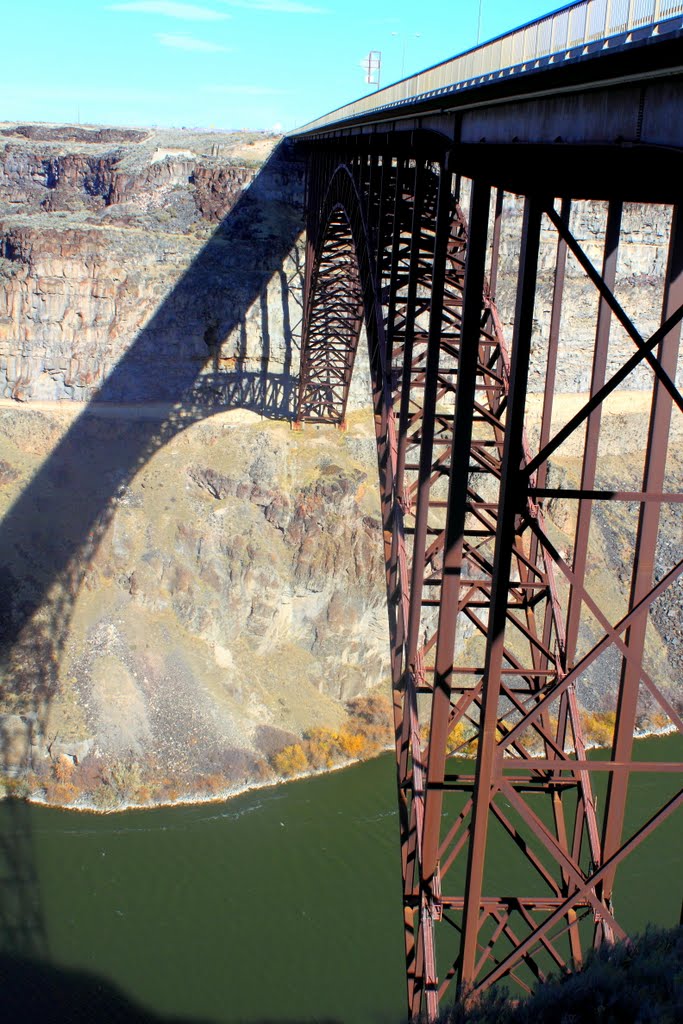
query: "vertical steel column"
590, 455
468, 364
443, 223
513, 494
588, 471
391, 303
400, 330
409, 320
425, 945
552, 619
495, 243
645, 550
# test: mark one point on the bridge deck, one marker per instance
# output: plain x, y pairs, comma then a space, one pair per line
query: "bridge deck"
567, 41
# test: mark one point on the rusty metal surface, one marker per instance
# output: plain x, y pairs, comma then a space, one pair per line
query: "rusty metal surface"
493, 624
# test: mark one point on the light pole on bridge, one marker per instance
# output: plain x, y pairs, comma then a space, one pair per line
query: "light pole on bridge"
403, 36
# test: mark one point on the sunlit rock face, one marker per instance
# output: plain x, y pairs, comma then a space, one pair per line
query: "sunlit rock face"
155, 249
188, 585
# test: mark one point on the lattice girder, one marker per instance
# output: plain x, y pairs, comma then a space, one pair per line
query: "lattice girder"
487, 614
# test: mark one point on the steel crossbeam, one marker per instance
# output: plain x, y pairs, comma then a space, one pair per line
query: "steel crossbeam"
494, 625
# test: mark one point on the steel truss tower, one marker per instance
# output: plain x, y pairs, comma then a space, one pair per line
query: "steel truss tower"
496, 617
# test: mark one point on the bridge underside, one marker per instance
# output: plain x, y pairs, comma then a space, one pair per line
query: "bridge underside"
491, 502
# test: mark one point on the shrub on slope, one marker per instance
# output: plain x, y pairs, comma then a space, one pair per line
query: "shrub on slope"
639, 982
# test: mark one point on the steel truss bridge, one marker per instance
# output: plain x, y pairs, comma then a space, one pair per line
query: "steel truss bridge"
494, 619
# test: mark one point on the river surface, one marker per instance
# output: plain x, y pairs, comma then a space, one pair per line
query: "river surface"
279, 905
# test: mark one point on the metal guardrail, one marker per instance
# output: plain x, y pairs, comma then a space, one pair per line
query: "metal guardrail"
550, 40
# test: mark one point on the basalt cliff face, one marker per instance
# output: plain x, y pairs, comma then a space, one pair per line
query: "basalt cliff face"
164, 249
188, 586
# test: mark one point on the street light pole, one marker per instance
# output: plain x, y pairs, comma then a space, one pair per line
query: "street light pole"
404, 38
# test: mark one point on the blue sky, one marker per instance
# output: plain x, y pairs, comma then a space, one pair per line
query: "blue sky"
260, 64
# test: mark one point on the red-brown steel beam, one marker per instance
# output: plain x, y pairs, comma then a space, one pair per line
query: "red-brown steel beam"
454, 541
644, 556
510, 503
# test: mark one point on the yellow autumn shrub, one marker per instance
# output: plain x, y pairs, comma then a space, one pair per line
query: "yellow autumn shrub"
599, 727
321, 747
351, 744
291, 760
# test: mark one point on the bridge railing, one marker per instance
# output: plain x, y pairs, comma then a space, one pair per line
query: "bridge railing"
551, 39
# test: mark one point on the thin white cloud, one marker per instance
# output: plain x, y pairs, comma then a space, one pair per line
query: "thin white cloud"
185, 12
78, 93
276, 6
243, 90
190, 43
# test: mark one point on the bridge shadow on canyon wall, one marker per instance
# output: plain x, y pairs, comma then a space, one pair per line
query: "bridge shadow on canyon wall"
174, 378
49, 535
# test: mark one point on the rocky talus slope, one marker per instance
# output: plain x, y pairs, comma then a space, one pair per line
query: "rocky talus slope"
189, 588
231, 602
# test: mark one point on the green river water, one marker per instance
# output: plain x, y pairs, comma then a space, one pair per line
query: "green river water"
279, 905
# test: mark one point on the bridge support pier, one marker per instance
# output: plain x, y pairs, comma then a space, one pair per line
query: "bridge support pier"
500, 624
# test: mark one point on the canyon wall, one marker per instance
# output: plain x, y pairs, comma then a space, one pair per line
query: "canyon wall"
184, 254
189, 587
154, 250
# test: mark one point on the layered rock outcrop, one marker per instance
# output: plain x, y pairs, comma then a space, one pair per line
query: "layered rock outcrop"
152, 248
